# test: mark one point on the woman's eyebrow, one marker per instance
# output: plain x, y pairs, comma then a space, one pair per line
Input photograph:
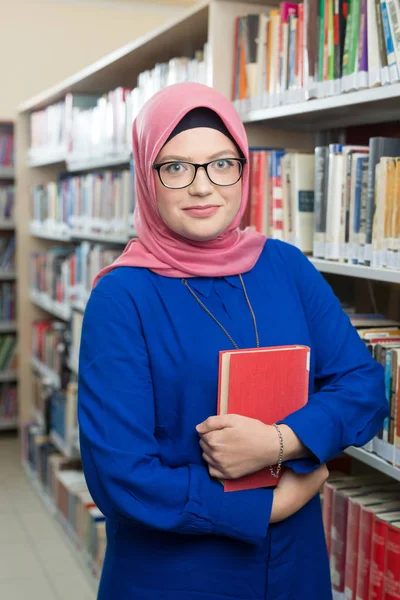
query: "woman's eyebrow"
169, 157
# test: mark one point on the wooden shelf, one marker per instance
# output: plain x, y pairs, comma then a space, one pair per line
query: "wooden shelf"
75, 165
46, 372
101, 238
60, 310
8, 424
8, 326
373, 105
7, 275
84, 561
7, 172
8, 376
79, 305
41, 157
374, 273
7, 225
374, 461
47, 233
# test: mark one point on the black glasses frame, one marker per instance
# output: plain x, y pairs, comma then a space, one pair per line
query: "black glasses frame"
197, 166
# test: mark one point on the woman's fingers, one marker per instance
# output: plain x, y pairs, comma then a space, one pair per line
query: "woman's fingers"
215, 473
209, 460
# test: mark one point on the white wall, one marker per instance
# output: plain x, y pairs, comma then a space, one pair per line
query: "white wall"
44, 41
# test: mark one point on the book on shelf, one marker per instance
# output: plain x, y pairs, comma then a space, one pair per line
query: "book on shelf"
351, 506
6, 146
63, 483
246, 377
101, 202
89, 126
63, 415
8, 401
7, 197
49, 346
8, 302
66, 275
7, 253
314, 49
383, 343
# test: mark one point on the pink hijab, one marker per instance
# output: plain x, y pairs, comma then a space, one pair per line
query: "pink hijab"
158, 248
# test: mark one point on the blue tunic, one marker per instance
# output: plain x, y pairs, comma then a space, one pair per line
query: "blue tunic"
148, 376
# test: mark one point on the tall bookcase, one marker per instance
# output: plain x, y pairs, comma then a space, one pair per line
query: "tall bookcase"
7, 229
299, 126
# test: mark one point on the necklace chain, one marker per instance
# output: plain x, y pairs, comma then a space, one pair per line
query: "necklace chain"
185, 283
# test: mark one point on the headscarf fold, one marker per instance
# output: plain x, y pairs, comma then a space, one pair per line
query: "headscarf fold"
157, 247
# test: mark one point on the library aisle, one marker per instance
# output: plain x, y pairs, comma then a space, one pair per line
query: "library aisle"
36, 561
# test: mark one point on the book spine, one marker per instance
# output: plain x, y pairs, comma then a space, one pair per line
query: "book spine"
347, 42
353, 524
363, 40
331, 42
320, 200
321, 48
391, 57
338, 550
379, 535
391, 584
364, 554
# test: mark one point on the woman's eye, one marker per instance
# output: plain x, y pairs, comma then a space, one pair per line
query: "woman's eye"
175, 168
223, 164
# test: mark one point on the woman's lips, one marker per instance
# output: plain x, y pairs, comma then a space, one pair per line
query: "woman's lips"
202, 211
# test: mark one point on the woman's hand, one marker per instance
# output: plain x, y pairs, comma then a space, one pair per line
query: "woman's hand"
234, 446
295, 490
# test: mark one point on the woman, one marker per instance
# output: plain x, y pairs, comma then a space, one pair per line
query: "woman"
152, 446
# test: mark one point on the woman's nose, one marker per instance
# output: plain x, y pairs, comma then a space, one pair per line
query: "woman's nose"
201, 185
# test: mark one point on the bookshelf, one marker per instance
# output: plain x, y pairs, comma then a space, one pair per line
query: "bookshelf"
298, 125
8, 376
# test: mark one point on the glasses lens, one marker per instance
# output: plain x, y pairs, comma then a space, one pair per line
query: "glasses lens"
224, 171
177, 174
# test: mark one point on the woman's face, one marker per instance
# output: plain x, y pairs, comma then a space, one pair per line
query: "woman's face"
202, 211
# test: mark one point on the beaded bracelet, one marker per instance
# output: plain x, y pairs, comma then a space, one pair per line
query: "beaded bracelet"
279, 465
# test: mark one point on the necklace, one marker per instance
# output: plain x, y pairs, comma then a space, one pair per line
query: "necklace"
185, 283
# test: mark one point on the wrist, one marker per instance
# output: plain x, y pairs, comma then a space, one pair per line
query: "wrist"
292, 446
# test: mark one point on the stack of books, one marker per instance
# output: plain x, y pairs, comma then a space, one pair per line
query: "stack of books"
66, 275
341, 203
8, 352
95, 203
7, 253
8, 402
361, 516
62, 483
7, 196
49, 345
312, 49
86, 127
8, 302
6, 147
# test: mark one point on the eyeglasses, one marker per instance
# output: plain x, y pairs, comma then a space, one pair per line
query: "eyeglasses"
180, 174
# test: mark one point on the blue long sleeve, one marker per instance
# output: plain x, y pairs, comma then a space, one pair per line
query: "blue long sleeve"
347, 405
121, 455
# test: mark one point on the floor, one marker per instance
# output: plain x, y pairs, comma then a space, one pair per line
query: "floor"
36, 561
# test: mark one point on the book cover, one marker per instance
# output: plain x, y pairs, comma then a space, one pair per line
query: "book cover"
266, 384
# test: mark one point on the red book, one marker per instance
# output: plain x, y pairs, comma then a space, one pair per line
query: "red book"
379, 541
365, 546
267, 384
391, 579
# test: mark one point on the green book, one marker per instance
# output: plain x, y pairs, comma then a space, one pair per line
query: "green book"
321, 52
355, 31
347, 38
331, 44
